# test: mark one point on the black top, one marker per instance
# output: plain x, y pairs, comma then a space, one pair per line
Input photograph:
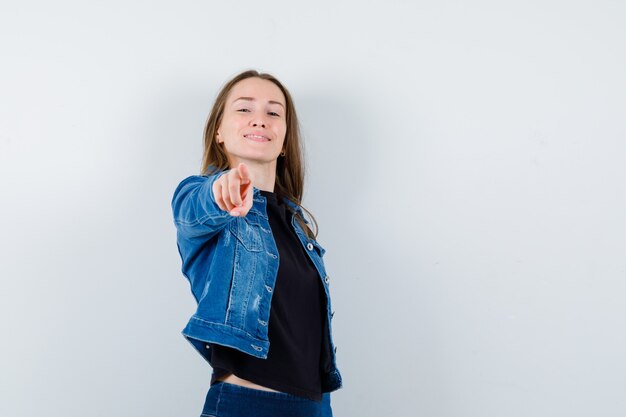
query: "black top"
297, 320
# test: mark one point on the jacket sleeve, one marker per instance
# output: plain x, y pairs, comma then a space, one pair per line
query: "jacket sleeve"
195, 212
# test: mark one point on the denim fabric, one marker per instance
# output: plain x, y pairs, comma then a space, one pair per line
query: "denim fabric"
231, 264
229, 400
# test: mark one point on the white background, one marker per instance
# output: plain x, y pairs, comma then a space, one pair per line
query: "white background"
465, 164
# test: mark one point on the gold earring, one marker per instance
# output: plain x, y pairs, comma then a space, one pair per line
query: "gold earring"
282, 153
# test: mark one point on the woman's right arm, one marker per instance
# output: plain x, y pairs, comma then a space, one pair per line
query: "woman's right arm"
202, 205
195, 211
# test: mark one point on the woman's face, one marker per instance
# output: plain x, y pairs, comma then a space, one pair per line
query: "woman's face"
254, 123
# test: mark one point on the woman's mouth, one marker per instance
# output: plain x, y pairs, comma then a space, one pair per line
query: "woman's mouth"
257, 138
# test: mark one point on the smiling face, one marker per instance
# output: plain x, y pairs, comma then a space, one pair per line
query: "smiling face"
254, 123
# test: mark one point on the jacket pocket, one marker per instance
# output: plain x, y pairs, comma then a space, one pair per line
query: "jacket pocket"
248, 232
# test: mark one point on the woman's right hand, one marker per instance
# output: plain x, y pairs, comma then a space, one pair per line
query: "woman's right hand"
233, 191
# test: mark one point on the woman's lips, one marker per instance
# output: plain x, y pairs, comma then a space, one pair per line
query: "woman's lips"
257, 138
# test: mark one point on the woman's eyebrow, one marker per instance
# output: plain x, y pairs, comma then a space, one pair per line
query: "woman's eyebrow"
252, 99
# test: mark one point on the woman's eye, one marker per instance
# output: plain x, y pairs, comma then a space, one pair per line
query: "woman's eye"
272, 113
243, 110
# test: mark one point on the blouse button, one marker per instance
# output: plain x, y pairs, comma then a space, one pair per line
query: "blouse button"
327, 279
309, 246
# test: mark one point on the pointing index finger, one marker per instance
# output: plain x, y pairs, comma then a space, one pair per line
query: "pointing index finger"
244, 173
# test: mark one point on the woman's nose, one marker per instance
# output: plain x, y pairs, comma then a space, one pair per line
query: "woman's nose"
257, 121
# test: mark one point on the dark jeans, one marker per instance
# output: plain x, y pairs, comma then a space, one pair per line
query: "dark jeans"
230, 400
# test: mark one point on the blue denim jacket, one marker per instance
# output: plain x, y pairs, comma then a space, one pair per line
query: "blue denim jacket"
231, 263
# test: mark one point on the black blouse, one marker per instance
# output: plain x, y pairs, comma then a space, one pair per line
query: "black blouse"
297, 320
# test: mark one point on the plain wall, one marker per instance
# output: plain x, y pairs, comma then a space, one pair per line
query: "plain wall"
465, 163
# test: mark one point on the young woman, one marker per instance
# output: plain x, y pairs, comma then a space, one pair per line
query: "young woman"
263, 320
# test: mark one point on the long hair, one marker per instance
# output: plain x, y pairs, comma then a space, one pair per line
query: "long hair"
289, 169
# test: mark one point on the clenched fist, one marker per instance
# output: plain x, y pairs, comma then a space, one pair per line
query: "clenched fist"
233, 191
